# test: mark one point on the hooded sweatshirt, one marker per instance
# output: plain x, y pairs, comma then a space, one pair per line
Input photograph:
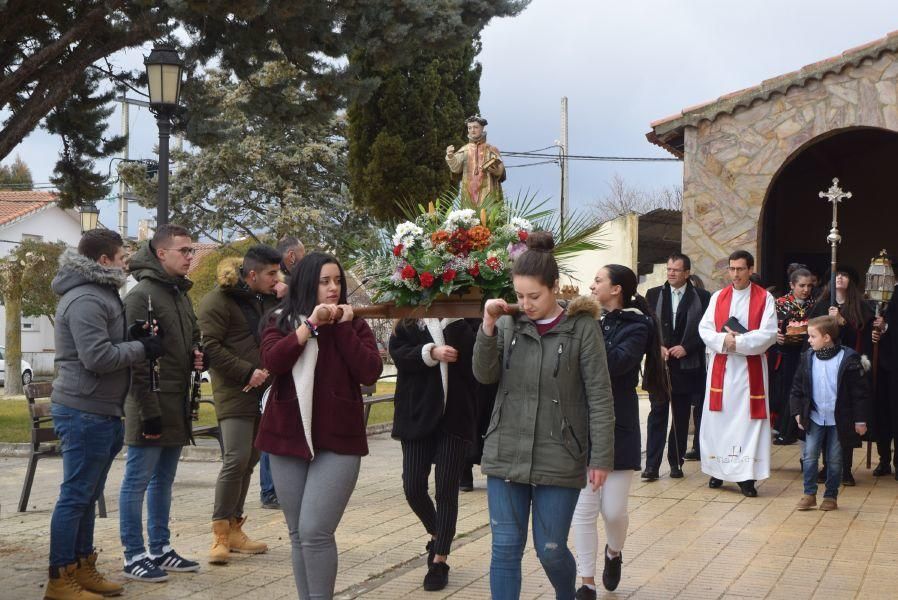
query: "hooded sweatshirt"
93, 358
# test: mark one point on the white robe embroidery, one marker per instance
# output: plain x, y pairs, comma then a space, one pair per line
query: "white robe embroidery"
734, 446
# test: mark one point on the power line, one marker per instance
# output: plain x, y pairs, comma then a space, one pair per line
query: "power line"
590, 157
532, 164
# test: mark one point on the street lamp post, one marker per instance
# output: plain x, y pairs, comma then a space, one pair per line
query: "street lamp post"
164, 69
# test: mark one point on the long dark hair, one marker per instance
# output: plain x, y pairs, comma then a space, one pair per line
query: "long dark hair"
654, 379
302, 297
855, 309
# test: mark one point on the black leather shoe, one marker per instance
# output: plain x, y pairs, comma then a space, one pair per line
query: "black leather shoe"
692, 455
437, 577
715, 483
781, 441
748, 488
611, 572
650, 474
466, 484
883, 468
676, 472
584, 593
848, 480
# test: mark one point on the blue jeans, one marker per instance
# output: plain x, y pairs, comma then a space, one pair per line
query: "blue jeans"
817, 438
265, 481
89, 444
149, 470
553, 509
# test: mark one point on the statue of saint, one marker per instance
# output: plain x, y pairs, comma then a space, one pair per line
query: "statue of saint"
480, 164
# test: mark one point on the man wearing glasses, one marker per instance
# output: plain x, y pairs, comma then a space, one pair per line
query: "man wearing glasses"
158, 423
679, 307
738, 328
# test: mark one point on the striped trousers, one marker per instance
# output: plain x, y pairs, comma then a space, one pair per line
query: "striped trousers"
447, 453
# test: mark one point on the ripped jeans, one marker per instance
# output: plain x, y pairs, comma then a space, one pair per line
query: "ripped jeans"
553, 509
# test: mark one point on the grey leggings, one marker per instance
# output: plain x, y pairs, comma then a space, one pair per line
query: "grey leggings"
313, 496
237, 435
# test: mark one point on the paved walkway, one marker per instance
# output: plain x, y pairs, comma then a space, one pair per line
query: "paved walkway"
685, 541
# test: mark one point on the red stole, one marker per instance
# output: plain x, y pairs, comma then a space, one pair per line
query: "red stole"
757, 396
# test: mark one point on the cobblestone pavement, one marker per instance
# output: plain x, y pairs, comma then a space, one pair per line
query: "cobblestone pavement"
685, 540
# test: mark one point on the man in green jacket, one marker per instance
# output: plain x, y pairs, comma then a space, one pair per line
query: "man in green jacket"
157, 422
231, 317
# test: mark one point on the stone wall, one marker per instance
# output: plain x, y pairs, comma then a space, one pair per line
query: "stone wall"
730, 162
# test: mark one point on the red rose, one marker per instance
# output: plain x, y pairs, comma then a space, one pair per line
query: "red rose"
397, 250
449, 275
426, 279
493, 263
474, 271
408, 272
522, 235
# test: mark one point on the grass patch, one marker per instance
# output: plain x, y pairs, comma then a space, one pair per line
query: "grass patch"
15, 425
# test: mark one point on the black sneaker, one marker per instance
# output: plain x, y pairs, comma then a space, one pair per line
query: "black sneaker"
466, 484
676, 472
141, 568
585, 593
611, 572
271, 503
848, 480
883, 468
692, 455
431, 552
437, 577
715, 483
172, 561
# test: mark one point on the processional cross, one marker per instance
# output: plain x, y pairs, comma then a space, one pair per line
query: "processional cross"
835, 195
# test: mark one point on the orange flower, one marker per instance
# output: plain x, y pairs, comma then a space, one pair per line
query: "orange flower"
479, 236
439, 237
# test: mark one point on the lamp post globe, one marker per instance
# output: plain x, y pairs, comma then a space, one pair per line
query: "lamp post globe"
90, 216
164, 70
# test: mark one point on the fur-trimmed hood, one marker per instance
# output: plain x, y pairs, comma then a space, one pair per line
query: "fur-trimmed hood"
584, 304
76, 269
228, 272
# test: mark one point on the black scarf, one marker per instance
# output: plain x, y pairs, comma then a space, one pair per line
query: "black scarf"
829, 352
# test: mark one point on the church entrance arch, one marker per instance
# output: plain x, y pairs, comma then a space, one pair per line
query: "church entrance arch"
795, 220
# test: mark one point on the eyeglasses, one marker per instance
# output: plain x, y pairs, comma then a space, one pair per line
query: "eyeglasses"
186, 251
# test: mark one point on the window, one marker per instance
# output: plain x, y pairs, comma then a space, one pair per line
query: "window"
31, 323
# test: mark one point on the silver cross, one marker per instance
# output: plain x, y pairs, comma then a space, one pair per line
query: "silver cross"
835, 195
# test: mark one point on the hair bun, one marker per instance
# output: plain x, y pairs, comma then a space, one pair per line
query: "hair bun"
541, 240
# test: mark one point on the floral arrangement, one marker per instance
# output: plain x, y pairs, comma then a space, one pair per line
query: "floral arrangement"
449, 248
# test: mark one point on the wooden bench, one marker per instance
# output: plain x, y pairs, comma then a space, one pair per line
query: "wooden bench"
369, 399
44, 441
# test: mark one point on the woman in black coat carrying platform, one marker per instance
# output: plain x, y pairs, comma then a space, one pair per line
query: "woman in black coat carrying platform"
435, 418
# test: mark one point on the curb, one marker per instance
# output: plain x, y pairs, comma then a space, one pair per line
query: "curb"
202, 453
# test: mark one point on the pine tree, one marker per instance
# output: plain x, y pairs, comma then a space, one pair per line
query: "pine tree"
398, 137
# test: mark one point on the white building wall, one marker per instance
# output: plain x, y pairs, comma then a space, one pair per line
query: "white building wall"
621, 238
52, 224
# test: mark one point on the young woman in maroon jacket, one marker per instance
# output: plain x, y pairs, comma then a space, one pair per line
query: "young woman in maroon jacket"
313, 422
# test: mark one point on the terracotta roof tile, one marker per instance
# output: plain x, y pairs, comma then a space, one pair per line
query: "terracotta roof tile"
16, 204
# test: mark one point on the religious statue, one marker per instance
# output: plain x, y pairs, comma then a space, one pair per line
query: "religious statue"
479, 163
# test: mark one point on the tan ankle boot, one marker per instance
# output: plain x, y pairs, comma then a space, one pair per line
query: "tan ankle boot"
90, 579
63, 586
220, 552
240, 542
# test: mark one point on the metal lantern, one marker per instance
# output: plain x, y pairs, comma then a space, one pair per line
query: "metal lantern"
880, 279
164, 68
90, 215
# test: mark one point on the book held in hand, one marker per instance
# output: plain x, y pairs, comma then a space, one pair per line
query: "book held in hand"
734, 325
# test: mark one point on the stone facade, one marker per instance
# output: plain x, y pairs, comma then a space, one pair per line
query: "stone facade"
732, 157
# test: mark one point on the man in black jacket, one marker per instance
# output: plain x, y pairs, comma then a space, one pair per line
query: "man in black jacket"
679, 306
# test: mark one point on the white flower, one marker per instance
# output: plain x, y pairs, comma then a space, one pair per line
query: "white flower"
521, 224
406, 233
464, 218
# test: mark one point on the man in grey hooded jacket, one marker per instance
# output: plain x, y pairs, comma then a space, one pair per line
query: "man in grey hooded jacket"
93, 360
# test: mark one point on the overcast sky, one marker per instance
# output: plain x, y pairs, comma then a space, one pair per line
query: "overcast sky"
621, 65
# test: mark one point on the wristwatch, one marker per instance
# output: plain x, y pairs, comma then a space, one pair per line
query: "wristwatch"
312, 329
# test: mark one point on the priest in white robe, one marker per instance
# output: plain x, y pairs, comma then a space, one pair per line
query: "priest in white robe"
738, 327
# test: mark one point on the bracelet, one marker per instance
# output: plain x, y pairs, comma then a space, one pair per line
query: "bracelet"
312, 329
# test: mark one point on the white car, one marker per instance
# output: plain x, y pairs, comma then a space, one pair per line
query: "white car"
27, 373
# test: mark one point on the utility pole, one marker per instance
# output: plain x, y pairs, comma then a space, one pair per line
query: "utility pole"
122, 200
565, 175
